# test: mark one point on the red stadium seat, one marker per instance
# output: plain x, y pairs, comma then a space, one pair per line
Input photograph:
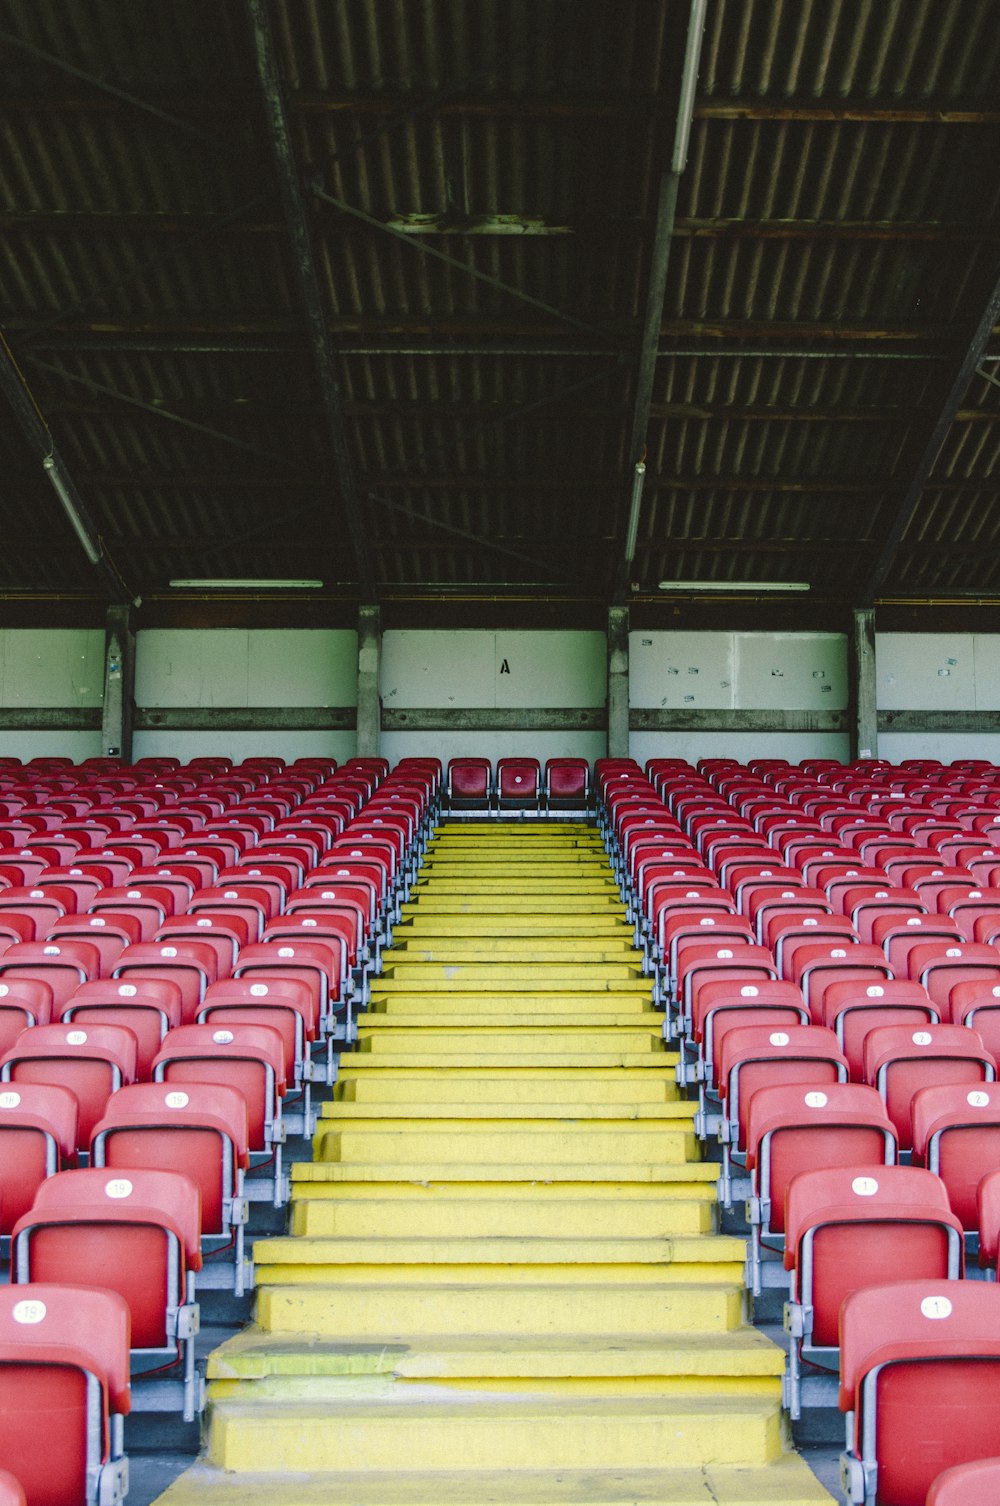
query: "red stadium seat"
899, 1061
199, 1129
64, 1363
848, 1227
469, 783
137, 1234
963, 1483
38, 1137
795, 1128
920, 1367
92, 1062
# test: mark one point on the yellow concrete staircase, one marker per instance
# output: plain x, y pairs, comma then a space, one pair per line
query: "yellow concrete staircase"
501, 1282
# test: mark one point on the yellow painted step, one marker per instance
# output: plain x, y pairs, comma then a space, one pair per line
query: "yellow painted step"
556, 1009
422, 1432
434, 1217
538, 976
529, 1142
457, 900
363, 1310
255, 1354
693, 1257
427, 925
558, 1055
658, 1171
596, 1040
653, 1083
483, 885
601, 1012
787, 1481
350, 1112
390, 996
489, 948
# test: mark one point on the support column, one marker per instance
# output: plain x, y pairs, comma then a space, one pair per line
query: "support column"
618, 703
864, 701
369, 705
119, 684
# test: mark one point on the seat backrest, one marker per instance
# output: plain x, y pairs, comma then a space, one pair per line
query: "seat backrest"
11, 1490
977, 1481
793, 1127
518, 778
64, 965
135, 1234
469, 778
51, 1338
899, 1060
92, 1061
920, 1364
956, 1133
248, 1057
567, 780
38, 1136
197, 1128
846, 1226
854, 1006
757, 1056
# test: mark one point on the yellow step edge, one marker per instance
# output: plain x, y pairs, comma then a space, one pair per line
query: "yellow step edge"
255, 1354
786, 1481
423, 1172
495, 1433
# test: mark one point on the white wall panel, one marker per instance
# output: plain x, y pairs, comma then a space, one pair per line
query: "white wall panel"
986, 653
236, 667
480, 668
75, 745
790, 671
52, 667
925, 672
437, 669
681, 669
550, 669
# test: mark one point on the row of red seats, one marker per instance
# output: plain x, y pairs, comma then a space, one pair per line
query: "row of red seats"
518, 783
212, 989
822, 1010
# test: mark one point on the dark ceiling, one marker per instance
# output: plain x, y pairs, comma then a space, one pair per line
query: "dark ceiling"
366, 291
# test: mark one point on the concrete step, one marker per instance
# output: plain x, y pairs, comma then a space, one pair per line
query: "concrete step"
505, 972
466, 1303
258, 1355
521, 1142
539, 949
511, 1052
652, 1081
435, 1215
346, 1111
786, 1481
424, 924
678, 1258
423, 1172
594, 1041
396, 1012
543, 1432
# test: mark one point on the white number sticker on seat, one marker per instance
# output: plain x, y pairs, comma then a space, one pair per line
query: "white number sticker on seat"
121, 1187
936, 1307
864, 1186
29, 1311
177, 1100
816, 1100
921, 1038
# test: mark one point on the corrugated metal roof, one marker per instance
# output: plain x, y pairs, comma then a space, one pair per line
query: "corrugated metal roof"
482, 179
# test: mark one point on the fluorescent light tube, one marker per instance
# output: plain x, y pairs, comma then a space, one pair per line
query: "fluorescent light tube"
212, 584
764, 587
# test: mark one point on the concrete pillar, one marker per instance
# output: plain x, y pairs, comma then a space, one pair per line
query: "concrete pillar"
618, 705
369, 705
119, 684
863, 699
